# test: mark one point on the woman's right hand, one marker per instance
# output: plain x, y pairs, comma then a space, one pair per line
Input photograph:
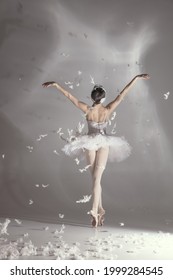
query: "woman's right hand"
49, 84
143, 76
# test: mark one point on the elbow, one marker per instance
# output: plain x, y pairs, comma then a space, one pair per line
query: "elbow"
76, 103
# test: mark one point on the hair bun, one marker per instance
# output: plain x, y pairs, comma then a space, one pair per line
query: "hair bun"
98, 86
98, 93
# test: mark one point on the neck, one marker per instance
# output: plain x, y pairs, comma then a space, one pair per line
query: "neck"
96, 104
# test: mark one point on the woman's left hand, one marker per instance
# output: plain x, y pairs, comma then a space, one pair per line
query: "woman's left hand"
49, 84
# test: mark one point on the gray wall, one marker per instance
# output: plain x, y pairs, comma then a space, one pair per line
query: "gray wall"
112, 41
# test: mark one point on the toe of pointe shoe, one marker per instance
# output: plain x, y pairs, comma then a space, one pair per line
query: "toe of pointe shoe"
101, 220
94, 221
100, 223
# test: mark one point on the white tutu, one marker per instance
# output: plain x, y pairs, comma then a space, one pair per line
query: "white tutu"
119, 149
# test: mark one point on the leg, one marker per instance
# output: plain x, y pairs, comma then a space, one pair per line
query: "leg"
101, 211
100, 163
90, 157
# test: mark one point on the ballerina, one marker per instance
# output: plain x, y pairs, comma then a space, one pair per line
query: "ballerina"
97, 145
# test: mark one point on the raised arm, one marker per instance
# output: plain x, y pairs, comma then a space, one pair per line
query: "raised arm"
112, 105
81, 105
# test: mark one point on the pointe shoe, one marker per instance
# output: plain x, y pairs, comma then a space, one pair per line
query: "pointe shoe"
94, 221
101, 218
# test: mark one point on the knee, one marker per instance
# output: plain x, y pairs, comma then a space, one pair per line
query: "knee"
102, 167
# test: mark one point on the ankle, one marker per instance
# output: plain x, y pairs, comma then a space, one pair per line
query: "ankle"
94, 211
101, 210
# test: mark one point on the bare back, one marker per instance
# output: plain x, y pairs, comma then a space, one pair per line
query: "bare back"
97, 114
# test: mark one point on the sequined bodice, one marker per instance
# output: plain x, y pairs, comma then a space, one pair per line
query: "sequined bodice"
95, 127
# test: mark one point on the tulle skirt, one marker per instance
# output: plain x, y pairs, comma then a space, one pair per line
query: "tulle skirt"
119, 148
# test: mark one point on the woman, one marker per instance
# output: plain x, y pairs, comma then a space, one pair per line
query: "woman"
97, 145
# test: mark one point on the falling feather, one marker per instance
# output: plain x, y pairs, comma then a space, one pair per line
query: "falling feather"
30, 148
45, 186
109, 122
4, 227
80, 127
92, 80
55, 152
70, 135
85, 199
121, 224
113, 116
41, 136
85, 168
77, 161
113, 131
69, 83
18, 221
61, 230
61, 216
46, 228
166, 95
59, 130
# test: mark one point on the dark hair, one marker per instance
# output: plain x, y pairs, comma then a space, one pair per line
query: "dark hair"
97, 94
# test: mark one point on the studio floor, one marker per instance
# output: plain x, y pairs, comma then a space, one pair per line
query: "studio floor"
23, 239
